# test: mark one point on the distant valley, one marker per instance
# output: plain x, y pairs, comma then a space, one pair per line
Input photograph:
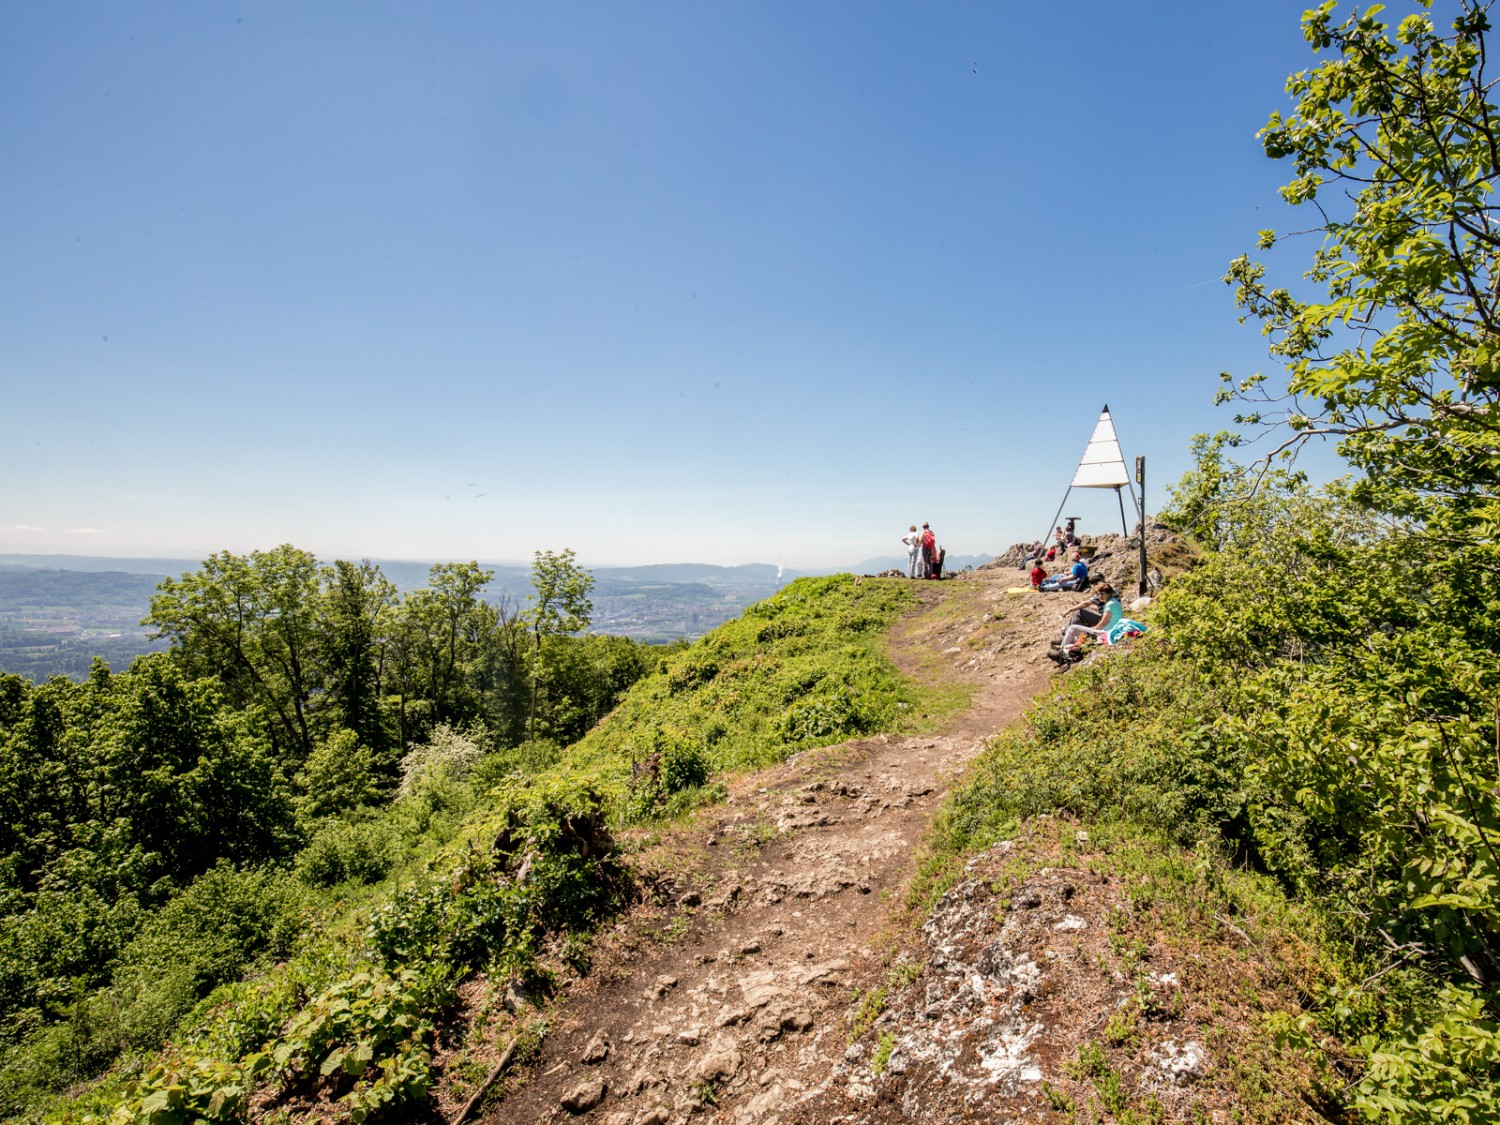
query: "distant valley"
58, 612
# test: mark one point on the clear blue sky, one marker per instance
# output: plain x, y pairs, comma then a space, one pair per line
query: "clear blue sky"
714, 282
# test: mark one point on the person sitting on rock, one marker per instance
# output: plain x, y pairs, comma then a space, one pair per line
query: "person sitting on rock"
1077, 577
1090, 611
1109, 616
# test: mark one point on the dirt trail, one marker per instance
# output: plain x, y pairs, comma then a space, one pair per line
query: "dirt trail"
729, 997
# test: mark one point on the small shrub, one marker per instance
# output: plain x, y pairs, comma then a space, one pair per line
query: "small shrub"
447, 756
345, 851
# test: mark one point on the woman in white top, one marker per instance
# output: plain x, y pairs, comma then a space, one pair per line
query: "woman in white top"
913, 541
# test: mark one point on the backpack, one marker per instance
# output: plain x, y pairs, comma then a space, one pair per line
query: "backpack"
929, 540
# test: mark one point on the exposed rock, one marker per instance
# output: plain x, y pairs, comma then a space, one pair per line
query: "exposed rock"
1180, 1064
719, 1066
598, 1048
824, 974
796, 1018
759, 989
662, 986
585, 1096
516, 997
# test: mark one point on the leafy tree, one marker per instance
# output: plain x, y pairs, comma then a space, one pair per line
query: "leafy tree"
1395, 146
251, 621
195, 780
438, 639
357, 605
340, 775
586, 677
560, 606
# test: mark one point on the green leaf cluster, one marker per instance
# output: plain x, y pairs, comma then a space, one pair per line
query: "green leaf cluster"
1391, 345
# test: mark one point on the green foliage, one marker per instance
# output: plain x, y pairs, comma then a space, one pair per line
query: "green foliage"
446, 757
357, 850
1132, 738
1391, 144
452, 655
147, 819
802, 669
1320, 697
251, 621
206, 936
539, 862
1438, 1070
338, 776
665, 764
559, 607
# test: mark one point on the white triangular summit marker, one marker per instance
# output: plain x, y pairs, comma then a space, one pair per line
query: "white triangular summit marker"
1102, 465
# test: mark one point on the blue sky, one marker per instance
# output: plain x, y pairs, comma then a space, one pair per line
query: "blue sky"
659, 282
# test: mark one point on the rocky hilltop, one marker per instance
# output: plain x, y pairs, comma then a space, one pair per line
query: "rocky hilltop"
1115, 558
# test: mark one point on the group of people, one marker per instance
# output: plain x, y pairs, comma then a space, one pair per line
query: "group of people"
1098, 617
925, 557
1076, 577
1064, 541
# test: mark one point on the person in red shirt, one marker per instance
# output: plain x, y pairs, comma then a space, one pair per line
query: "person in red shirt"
1038, 575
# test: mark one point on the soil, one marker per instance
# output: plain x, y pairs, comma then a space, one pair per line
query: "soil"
729, 994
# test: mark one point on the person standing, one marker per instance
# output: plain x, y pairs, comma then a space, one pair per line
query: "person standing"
929, 550
913, 543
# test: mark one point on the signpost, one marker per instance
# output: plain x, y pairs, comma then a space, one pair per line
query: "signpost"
1140, 479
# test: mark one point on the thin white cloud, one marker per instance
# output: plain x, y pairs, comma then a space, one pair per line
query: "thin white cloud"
83, 531
25, 527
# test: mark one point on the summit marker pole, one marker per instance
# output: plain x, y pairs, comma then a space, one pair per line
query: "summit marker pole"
1140, 479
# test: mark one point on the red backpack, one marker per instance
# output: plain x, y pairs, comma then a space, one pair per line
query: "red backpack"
929, 540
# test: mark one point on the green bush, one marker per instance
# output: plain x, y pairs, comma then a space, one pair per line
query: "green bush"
352, 850
684, 765
208, 935
338, 776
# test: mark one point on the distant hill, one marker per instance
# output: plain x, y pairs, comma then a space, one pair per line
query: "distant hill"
57, 612
96, 563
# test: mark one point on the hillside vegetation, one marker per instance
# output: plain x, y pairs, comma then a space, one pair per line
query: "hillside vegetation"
359, 906
1317, 703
